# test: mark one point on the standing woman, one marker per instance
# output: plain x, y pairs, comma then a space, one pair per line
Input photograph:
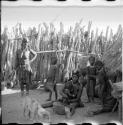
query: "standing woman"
91, 79
22, 65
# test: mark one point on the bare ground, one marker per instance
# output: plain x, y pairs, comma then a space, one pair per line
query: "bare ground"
12, 111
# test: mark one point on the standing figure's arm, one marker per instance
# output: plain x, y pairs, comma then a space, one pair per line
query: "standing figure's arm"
35, 55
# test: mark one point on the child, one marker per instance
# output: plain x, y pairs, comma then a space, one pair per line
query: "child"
51, 79
91, 79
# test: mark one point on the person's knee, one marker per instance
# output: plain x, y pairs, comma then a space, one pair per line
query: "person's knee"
72, 110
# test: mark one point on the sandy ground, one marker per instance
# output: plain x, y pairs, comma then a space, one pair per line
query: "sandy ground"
12, 111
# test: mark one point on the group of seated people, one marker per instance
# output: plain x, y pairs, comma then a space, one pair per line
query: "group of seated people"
95, 79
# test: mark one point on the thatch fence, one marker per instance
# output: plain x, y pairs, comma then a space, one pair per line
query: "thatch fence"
71, 49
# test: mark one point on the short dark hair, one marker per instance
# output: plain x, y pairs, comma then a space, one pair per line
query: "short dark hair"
24, 40
76, 73
99, 63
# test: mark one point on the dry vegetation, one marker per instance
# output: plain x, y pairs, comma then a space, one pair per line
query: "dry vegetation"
77, 40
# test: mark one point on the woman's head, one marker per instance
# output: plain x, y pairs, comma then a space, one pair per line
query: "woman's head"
91, 60
24, 43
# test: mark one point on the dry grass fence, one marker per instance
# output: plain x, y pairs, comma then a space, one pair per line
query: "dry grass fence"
49, 43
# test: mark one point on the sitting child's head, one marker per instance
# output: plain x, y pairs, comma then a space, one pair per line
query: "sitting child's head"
75, 76
99, 64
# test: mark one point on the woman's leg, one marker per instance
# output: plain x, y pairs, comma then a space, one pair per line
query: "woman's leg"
92, 90
27, 88
73, 107
21, 75
50, 95
49, 88
22, 88
55, 90
87, 90
27, 80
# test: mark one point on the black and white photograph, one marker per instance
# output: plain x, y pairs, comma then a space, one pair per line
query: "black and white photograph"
61, 64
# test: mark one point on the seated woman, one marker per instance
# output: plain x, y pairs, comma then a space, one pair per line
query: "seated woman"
67, 92
71, 95
72, 92
107, 100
